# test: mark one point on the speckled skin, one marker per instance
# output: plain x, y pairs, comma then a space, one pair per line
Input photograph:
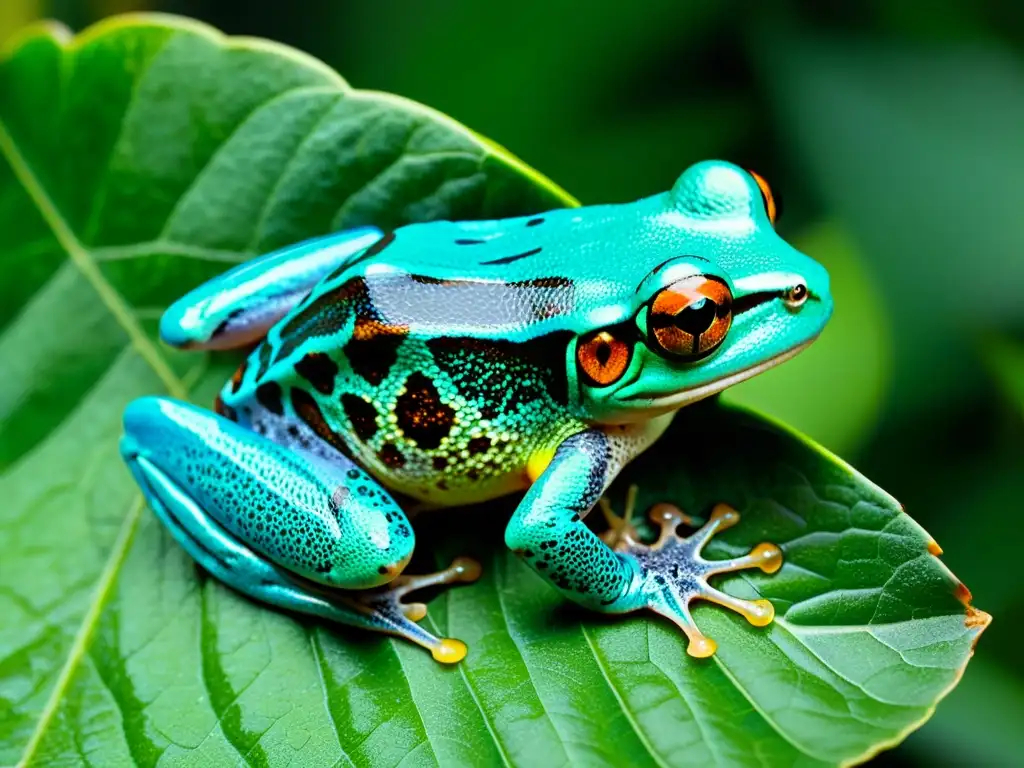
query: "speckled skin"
458, 362
271, 497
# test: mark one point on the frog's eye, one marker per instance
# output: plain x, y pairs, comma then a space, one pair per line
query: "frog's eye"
690, 318
602, 358
772, 205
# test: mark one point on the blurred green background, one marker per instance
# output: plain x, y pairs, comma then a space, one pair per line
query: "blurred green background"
894, 132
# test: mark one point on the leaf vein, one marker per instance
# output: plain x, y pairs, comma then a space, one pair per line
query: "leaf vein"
100, 196
479, 705
769, 720
320, 661
627, 713
104, 587
272, 196
503, 610
201, 174
81, 258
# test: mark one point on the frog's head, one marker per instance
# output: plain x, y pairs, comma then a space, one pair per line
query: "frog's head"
727, 299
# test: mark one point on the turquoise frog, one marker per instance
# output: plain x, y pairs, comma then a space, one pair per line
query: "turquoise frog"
448, 363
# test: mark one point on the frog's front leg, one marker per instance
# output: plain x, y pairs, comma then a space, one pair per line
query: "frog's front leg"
283, 527
547, 530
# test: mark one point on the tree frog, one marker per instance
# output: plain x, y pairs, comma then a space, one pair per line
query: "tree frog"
447, 363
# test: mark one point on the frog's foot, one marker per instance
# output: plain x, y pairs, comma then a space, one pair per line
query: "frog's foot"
620, 529
675, 573
386, 612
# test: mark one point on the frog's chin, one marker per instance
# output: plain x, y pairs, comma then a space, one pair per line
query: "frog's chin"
656, 404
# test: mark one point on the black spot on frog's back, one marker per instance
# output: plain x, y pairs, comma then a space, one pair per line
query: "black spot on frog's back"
479, 444
422, 416
268, 394
369, 253
373, 349
501, 261
319, 370
391, 456
361, 414
264, 357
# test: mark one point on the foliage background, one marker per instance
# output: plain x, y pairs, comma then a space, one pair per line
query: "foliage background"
894, 132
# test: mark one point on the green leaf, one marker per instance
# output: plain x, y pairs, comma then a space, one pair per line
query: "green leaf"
148, 153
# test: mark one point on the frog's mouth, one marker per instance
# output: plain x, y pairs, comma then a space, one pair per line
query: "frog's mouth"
672, 400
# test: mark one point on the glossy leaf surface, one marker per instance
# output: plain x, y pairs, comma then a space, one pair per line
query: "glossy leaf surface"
146, 155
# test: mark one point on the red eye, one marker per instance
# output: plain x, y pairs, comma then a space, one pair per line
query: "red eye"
690, 318
770, 205
602, 358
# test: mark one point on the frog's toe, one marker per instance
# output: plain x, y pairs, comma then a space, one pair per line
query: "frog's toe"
414, 611
621, 533
675, 572
463, 570
385, 608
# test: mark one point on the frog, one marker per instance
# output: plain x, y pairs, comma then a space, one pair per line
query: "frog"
448, 363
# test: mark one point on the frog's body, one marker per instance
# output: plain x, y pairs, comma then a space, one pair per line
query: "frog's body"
444, 387
444, 416
458, 362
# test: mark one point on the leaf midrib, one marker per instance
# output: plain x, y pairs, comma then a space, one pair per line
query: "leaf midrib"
104, 584
86, 264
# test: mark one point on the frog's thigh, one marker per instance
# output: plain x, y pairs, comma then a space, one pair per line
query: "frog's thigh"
328, 522
239, 306
547, 530
224, 557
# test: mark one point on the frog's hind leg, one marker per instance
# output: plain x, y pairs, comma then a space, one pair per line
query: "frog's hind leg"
676, 573
246, 509
238, 307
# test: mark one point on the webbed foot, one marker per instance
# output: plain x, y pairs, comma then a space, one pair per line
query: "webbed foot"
620, 528
675, 572
385, 610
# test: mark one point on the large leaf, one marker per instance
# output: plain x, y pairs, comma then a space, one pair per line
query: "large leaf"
140, 157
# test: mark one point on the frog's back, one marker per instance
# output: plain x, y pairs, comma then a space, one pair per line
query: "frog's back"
582, 244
